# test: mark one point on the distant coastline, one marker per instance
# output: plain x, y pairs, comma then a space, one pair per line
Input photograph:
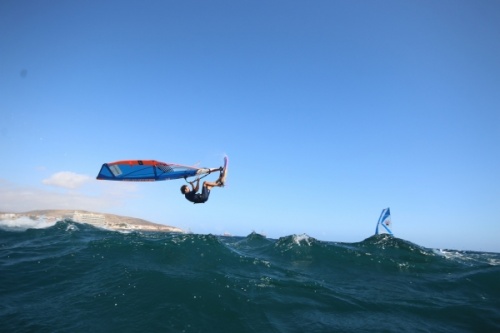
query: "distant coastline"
101, 220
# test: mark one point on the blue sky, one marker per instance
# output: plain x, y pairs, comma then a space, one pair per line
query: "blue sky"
329, 111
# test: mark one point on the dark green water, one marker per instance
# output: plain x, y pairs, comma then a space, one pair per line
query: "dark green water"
75, 278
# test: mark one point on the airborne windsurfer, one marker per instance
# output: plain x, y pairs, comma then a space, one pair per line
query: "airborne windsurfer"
202, 197
152, 170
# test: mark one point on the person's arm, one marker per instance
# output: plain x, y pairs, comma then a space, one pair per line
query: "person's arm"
197, 187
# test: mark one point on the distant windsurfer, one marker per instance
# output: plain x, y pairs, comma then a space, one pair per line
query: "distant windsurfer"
193, 196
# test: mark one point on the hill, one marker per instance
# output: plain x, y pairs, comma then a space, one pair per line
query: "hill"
102, 220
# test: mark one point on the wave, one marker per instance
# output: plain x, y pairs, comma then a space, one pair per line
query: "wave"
104, 280
376, 250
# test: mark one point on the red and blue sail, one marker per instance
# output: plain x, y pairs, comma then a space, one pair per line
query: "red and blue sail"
147, 170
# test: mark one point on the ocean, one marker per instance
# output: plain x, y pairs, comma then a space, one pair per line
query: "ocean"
71, 277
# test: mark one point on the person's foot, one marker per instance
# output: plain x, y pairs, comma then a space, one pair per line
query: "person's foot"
219, 181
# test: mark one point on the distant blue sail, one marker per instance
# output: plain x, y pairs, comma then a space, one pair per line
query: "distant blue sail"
384, 222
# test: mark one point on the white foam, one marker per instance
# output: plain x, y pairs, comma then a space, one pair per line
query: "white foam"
300, 239
23, 223
469, 258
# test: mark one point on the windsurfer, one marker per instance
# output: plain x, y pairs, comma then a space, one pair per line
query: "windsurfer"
193, 196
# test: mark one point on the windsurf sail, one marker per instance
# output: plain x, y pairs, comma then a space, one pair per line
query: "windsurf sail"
384, 224
148, 171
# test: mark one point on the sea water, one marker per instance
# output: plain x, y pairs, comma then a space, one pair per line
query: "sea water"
72, 277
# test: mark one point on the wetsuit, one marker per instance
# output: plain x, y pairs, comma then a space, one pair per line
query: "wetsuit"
198, 197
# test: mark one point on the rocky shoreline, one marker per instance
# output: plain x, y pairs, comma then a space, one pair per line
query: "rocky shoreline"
101, 220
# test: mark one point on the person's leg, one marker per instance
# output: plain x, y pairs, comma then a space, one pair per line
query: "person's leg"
205, 193
209, 185
221, 179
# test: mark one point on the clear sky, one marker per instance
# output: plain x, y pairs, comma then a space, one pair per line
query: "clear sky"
329, 112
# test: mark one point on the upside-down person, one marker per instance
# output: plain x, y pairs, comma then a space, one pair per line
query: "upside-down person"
194, 197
